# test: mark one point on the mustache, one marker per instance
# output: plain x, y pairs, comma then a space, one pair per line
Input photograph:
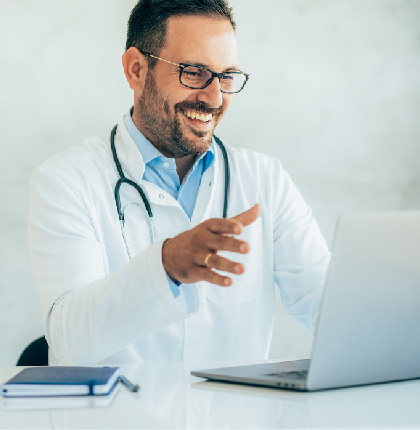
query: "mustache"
198, 106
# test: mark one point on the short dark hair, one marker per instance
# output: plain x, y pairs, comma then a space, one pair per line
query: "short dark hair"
146, 29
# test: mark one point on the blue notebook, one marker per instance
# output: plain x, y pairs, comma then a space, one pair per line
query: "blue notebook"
61, 381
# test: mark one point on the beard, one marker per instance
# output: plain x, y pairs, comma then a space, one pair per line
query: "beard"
163, 128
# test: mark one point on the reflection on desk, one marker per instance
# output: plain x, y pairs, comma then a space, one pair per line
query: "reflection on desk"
59, 402
171, 398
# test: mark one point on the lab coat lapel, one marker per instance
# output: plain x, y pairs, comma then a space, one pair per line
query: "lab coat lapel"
207, 191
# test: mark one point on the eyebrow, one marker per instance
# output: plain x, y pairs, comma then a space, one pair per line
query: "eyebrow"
229, 69
233, 69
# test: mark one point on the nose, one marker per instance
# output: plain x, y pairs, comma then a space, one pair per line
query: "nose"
211, 94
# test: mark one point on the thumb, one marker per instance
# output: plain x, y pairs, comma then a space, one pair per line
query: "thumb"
249, 216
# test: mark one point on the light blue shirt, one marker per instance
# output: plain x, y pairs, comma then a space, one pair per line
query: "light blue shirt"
161, 171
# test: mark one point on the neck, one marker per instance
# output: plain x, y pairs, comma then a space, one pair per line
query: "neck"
183, 165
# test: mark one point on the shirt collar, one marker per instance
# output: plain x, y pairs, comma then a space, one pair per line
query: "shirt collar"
149, 152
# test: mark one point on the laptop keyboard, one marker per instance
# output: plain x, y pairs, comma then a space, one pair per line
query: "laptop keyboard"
301, 374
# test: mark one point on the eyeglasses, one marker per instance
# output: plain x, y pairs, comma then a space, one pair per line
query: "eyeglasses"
199, 77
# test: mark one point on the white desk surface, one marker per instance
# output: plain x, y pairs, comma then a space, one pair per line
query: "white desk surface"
171, 398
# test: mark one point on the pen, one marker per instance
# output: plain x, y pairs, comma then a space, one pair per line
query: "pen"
132, 387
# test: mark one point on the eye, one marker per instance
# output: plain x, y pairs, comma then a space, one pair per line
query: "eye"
191, 72
228, 77
194, 72
194, 76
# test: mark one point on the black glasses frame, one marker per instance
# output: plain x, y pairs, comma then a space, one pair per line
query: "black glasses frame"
182, 66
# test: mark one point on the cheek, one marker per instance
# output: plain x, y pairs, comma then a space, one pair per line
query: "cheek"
165, 95
175, 95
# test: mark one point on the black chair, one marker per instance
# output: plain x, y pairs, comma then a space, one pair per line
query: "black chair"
35, 354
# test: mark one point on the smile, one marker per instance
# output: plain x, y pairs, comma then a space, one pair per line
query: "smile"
198, 116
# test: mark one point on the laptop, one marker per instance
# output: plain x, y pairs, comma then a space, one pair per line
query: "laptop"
369, 321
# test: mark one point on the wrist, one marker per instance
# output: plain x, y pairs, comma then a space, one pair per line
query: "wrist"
165, 263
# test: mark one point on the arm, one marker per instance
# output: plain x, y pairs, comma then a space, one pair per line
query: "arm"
90, 313
301, 256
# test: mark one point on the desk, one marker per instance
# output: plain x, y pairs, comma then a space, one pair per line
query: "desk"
171, 398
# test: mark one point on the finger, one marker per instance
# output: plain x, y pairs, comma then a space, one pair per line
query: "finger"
208, 275
249, 216
224, 265
218, 242
224, 226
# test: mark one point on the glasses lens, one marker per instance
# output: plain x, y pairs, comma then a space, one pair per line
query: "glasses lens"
198, 77
232, 82
195, 77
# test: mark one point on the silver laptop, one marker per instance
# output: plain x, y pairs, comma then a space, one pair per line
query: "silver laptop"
368, 328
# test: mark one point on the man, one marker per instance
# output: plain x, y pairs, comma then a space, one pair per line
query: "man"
164, 276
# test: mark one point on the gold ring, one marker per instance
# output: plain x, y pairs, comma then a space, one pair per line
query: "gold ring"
206, 260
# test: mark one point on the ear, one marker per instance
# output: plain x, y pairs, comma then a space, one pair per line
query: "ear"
135, 68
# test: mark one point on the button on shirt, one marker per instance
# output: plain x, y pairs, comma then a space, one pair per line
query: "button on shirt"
161, 171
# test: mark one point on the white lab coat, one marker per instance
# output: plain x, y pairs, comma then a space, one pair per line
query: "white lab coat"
99, 306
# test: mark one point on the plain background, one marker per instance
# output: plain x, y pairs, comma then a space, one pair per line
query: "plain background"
334, 94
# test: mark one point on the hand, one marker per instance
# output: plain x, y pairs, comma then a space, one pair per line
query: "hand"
191, 256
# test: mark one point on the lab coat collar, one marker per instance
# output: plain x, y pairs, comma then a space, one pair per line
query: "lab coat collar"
130, 157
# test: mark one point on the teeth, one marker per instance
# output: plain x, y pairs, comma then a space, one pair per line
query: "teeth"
201, 116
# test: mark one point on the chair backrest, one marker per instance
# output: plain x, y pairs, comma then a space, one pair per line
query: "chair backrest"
35, 354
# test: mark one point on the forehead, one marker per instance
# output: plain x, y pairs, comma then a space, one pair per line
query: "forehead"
199, 39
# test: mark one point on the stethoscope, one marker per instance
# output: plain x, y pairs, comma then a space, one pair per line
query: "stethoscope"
124, 180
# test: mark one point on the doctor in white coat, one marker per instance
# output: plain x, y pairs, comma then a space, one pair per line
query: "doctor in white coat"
191, 285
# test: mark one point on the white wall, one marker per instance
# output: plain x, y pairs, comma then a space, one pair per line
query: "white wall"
334, 93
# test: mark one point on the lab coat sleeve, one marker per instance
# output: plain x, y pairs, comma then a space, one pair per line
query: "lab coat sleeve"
90, 313
301, 255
